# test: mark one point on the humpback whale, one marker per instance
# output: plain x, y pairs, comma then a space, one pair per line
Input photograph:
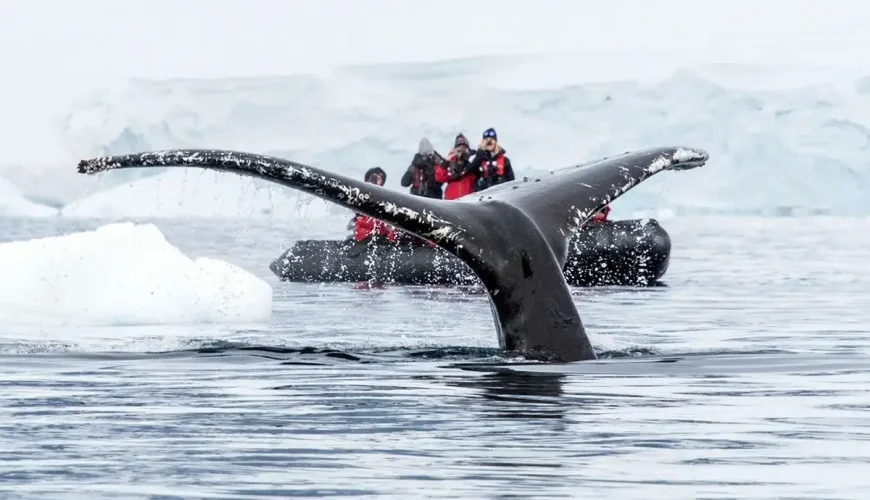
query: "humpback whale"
514, 236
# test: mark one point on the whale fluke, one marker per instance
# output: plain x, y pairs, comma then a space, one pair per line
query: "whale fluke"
513, 236
561, 202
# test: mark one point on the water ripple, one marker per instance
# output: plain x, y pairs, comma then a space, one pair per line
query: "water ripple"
747, 376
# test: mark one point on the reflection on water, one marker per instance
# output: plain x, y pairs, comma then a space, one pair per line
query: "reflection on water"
510, 394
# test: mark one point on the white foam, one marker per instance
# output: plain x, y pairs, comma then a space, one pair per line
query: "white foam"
123, 274
13, 204
198, 193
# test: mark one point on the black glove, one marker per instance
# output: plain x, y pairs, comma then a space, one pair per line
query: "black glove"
454, 171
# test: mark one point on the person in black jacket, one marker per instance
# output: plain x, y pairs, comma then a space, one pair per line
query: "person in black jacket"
494, 166
420, 176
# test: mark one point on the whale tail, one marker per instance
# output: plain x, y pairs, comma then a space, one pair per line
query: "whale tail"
513, 236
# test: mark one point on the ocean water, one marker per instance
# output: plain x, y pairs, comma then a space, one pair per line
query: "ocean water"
747, 376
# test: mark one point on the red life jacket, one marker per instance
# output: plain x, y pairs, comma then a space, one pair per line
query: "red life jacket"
456, 188
498, 161
601, 216
365, 226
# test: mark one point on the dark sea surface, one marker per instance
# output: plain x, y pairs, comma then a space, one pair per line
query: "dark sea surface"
746, 377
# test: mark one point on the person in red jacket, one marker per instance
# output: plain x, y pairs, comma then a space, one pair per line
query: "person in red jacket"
457, 172
601, 216
365, 227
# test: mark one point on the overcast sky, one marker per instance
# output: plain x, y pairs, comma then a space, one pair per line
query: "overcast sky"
85, 40
52, 50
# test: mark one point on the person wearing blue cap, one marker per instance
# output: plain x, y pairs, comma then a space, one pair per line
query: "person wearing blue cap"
490, 160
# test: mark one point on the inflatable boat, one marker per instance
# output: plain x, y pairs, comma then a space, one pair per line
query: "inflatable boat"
623, 252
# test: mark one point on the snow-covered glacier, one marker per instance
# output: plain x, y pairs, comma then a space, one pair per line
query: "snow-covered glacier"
774, 149
14, 204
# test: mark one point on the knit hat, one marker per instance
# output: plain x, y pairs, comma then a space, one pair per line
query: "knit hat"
490, 133
460, 141
425, 147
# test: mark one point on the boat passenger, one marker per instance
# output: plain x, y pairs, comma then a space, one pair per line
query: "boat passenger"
366, 227
458, 171
491, 163
601, 216
420, 176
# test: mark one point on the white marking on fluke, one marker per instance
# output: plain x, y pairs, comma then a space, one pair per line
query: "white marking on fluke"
525, 313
